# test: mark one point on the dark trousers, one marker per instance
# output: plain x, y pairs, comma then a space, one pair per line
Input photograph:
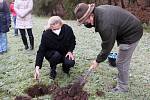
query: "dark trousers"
15, 29
24, 38
54, 58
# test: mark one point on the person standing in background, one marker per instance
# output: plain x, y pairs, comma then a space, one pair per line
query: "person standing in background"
5, 23
23, 10
14, 17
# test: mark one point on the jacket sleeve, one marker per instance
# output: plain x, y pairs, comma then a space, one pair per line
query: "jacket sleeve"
26, 11
16, 8
41, 52
72, 41
108, 36
7, 13
11, 8
29, 9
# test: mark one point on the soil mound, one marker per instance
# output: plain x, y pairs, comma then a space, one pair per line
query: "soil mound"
100, 93
23, 98
70, 92
37, 90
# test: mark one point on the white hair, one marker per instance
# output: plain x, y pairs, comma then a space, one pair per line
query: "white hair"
53, 20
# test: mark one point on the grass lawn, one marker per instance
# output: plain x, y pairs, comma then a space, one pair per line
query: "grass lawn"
17, 66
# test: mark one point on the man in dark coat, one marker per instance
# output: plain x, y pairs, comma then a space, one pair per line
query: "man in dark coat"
57, 45
113, 24
5, 22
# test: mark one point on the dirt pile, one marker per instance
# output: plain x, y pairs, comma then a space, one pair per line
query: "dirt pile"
100, 93
37, 90
41, 90
23, 98
70, 92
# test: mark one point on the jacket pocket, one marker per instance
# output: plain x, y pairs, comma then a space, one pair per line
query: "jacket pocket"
4, 21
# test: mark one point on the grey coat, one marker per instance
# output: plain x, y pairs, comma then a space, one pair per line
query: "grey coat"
115, 24
5, 20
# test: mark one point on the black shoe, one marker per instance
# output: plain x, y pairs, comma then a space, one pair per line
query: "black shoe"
53, 74
26, 47
66, 70
68, 74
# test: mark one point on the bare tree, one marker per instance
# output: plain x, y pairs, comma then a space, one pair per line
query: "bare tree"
147, 3
132, 2
115, 3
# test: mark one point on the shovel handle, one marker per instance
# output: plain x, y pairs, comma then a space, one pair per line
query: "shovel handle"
91, 67
86, 75
88, 72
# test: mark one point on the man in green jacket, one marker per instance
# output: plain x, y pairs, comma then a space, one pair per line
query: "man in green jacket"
113, 24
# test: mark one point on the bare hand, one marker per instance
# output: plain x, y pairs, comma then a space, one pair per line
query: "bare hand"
70, 55
94, 64
37, 73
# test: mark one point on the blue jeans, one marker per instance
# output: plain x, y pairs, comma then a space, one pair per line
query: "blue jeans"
3, 42
15, 29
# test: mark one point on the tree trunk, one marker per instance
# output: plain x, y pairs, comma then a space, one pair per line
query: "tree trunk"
147, 3
122, 4
109, 2
115, 2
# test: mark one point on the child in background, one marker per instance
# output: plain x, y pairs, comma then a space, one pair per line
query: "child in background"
23, 10
14, 17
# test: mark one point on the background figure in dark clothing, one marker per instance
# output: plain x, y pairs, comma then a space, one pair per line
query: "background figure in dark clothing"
113, 24
5, 23
57, 45
23, 10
